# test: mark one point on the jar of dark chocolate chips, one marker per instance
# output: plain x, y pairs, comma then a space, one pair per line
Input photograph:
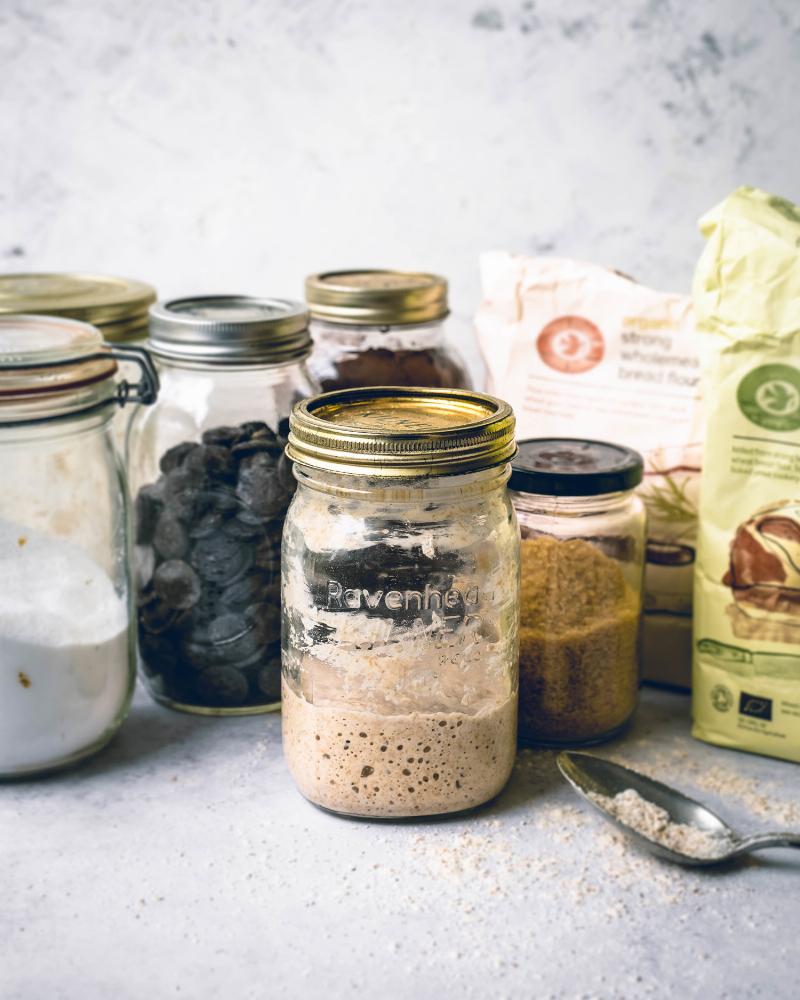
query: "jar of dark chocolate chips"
211, 486
374, 328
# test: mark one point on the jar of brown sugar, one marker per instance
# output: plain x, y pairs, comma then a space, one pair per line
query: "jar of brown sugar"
373, 328
582, 557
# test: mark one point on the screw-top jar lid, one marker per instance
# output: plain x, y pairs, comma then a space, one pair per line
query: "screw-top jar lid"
230, 329
376, 298
571, 467
401, 432
117, 306
42, 357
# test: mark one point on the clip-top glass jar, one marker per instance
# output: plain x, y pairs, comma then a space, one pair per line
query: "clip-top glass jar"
117, 307
67, 664
212, 487
374, 328
400, 602
582, 554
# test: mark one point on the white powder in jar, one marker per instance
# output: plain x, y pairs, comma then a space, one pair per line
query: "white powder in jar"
66, 671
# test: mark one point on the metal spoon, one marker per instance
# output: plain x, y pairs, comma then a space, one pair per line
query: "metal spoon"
588, 774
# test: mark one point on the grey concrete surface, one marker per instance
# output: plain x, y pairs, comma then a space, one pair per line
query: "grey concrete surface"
181, 862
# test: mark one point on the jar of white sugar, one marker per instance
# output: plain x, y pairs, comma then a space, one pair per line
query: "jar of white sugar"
400, 602
66, 639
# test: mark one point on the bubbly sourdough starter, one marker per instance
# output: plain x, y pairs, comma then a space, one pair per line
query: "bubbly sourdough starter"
399, 652
369, 764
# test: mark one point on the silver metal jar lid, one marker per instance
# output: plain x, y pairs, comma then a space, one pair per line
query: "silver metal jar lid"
230, 329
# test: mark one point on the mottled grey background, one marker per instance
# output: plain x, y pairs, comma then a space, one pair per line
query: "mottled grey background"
207, 145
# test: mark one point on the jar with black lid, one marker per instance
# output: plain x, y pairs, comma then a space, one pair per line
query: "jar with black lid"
380, 327
582, 557
211, 488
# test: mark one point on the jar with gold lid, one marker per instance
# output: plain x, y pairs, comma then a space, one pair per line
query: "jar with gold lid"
379, 327
67, 665
117, 307
400, 602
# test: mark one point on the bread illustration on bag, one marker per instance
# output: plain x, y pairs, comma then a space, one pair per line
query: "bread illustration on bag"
746, 672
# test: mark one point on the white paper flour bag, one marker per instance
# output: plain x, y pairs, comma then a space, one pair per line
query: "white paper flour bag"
582, 351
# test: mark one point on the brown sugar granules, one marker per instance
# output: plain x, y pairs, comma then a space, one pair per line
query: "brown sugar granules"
579, 625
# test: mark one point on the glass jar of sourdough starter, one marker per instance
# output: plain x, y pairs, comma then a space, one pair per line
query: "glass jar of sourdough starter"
117, 307
400, 602
211, 488
582, 555
67, 664
375, 328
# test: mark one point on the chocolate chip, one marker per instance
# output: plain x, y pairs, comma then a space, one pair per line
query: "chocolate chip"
222, 499
175, 456
210, 461
223, 686
177, 585
170, 539
148, 505
220, 559
269, 679
258, 486
244, 526
250, 428
156, 617
251, 589
224, 436
157, 653
183, 493
208, 524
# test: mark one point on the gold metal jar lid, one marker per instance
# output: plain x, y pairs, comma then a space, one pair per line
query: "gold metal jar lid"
401, 433
118, 307
376, 298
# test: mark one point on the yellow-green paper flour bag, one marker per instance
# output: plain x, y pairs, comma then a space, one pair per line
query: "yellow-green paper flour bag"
746, 670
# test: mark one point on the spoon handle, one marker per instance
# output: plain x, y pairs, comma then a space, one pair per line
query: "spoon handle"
761, 840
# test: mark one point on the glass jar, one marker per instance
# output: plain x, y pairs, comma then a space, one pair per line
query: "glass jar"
67, 665
117, 307
211, 487
582, 555
400, 602
373, 328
